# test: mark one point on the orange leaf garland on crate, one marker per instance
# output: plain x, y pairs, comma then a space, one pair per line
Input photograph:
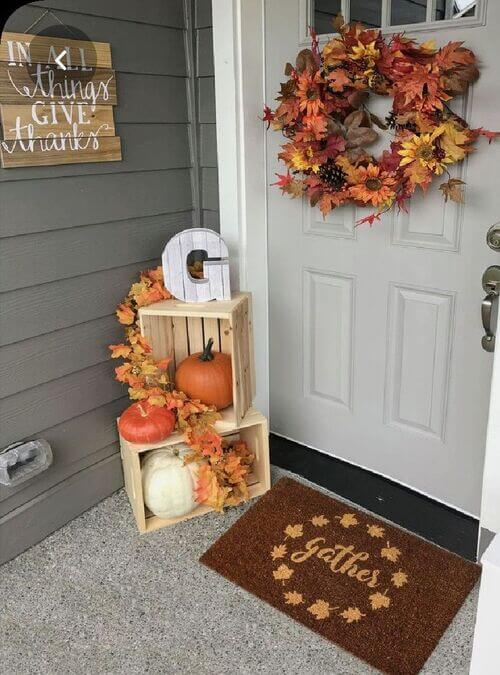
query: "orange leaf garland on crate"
225, 465
323, 113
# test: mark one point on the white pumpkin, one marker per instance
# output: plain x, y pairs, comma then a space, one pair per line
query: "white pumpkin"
168, 484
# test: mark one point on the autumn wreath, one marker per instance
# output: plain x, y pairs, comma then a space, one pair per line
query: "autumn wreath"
224, 465
323, 112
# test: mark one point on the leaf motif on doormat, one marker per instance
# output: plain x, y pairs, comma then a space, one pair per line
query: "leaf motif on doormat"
293, 598
392, 553
278, 552
399, 578
375, 531
282, 573
348, 520
352, 614
294, 531
379, 600
319, 521
320, 609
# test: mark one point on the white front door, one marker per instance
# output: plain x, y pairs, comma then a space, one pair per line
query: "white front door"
375, 334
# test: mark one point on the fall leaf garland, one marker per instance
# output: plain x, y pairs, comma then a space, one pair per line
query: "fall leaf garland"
323, 113
224, 465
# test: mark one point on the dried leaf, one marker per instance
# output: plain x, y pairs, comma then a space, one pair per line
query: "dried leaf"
282, 573
320, 609
319, 521
390, 552
452, 190
294, 531
293, 598
338, 22
278, 552
399, 578
305, 61
379, 600
359, 136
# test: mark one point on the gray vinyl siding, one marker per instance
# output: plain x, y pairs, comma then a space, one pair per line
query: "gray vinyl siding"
72, 240
205, 108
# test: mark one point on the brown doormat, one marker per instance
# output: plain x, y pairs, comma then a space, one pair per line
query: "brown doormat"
383, 594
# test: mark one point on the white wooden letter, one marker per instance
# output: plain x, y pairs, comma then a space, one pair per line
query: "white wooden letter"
215, 284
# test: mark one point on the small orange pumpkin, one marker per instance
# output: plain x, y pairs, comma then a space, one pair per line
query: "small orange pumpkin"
145, 423
207, 376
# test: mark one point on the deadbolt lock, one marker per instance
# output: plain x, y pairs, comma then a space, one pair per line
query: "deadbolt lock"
493, 237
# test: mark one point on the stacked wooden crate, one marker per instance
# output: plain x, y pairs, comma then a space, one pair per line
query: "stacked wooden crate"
177, 329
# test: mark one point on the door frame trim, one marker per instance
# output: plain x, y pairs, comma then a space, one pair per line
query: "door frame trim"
240, 89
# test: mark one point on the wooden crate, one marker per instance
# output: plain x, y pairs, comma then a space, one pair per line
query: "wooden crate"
177, 329
253, 431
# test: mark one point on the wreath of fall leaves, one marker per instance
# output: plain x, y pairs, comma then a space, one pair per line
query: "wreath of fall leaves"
323, 114
224, 465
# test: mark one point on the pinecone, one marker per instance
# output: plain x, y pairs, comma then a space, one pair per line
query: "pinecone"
332, 175
390, 120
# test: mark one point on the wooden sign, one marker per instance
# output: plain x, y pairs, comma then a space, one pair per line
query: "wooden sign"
215, 285
21, 48
74, 118
40, 82
56, 99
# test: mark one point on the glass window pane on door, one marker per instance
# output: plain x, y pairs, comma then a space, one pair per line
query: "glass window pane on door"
408, 11
368, 12
325, 12
453, 9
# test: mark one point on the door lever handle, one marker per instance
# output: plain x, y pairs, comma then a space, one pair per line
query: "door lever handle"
491, 284
488, 340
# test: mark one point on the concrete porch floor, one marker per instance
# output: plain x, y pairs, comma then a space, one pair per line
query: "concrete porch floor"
95, 597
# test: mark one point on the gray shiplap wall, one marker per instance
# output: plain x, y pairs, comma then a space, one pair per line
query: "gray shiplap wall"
73, 238
205, 110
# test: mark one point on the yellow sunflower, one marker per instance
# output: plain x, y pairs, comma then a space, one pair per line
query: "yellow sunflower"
302, 159
369, 184
424, 150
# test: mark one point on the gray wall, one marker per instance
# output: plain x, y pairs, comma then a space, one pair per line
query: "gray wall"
73, 239
205, 108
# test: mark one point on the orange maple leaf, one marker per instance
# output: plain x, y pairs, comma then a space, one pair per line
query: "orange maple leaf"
119, 351
338, 80
293, 531
126, 315
379, 600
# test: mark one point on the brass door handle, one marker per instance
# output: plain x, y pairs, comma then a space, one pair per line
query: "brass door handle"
491, 284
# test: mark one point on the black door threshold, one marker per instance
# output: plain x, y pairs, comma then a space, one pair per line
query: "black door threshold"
426, 517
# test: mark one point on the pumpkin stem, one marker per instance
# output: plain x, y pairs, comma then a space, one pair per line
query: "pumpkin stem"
141, 410
207, 355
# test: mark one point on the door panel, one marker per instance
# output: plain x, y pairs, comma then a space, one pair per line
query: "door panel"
375, 333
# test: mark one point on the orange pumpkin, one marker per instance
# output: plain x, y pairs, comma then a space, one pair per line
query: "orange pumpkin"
145, 423
207, 376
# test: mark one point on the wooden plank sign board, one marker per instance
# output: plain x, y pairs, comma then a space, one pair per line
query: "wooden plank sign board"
53, 113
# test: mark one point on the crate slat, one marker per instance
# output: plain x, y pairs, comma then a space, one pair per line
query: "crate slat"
174, 328
254, 431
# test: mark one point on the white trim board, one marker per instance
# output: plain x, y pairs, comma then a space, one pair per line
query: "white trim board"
239, 58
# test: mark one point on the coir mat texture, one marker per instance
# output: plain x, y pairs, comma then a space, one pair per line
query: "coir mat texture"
381, 593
